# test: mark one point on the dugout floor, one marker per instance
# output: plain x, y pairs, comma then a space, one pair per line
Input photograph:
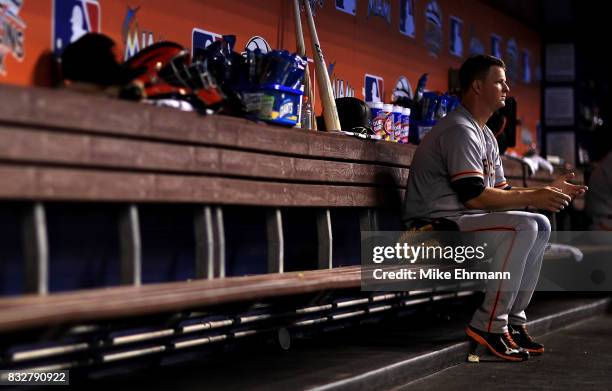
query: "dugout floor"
397, 352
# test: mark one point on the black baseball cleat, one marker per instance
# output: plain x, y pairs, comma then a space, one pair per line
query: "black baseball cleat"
500, 345
523, 339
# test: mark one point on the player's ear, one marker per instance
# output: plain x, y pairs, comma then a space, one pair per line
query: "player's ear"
477, 86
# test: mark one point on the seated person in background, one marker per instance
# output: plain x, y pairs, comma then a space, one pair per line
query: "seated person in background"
599, 197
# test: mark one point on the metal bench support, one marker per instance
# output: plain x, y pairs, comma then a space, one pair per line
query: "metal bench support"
205, 245
130, 246
274, 225
36, 250
219, 240
325, 239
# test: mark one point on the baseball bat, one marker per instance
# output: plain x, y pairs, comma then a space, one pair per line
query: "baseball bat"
330, 112
301, 49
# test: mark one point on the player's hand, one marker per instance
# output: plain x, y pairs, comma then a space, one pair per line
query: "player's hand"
571, 190
550, 198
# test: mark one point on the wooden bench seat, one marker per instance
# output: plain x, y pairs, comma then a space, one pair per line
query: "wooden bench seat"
31, 311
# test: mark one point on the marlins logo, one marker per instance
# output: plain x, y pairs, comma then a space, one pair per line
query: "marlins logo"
134, 38
258, 42
11, 32
402, 89
12, 6
433, 28
340, 87
73, 19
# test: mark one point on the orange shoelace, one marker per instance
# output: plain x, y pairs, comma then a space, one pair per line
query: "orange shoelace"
508, 339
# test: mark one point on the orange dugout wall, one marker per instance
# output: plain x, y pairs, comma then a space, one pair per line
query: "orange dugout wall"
381, 38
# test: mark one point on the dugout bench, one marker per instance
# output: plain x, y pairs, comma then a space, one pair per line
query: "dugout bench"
65, 154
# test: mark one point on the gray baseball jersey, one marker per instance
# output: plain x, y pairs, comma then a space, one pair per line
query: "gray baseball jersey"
454, 149
458, 148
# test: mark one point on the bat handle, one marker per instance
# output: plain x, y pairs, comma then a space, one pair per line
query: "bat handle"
330, 112
301, 49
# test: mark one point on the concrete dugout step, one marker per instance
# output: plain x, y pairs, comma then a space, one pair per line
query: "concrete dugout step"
379, 356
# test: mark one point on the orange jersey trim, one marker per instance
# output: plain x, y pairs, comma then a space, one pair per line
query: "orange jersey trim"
466, 173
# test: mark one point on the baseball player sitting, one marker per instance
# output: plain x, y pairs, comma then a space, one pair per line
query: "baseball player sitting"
457, 174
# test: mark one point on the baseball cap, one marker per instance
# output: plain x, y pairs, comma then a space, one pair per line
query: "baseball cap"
91, 59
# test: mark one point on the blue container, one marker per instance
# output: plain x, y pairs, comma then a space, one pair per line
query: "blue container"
274, 103
377, 122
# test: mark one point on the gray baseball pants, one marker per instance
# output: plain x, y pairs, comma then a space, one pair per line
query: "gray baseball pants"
519, 239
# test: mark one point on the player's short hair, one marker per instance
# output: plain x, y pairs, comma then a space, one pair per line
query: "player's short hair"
477, 68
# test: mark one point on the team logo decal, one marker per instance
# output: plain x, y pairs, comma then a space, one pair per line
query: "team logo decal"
476, 46
72, 19
407, 18
340, 87
380, 8
134, 38
512, 59
200, 39
255, 43
526, 77
433, 28
373, 88
496, 46
456, 39
402, 89
348, 6
12, 32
